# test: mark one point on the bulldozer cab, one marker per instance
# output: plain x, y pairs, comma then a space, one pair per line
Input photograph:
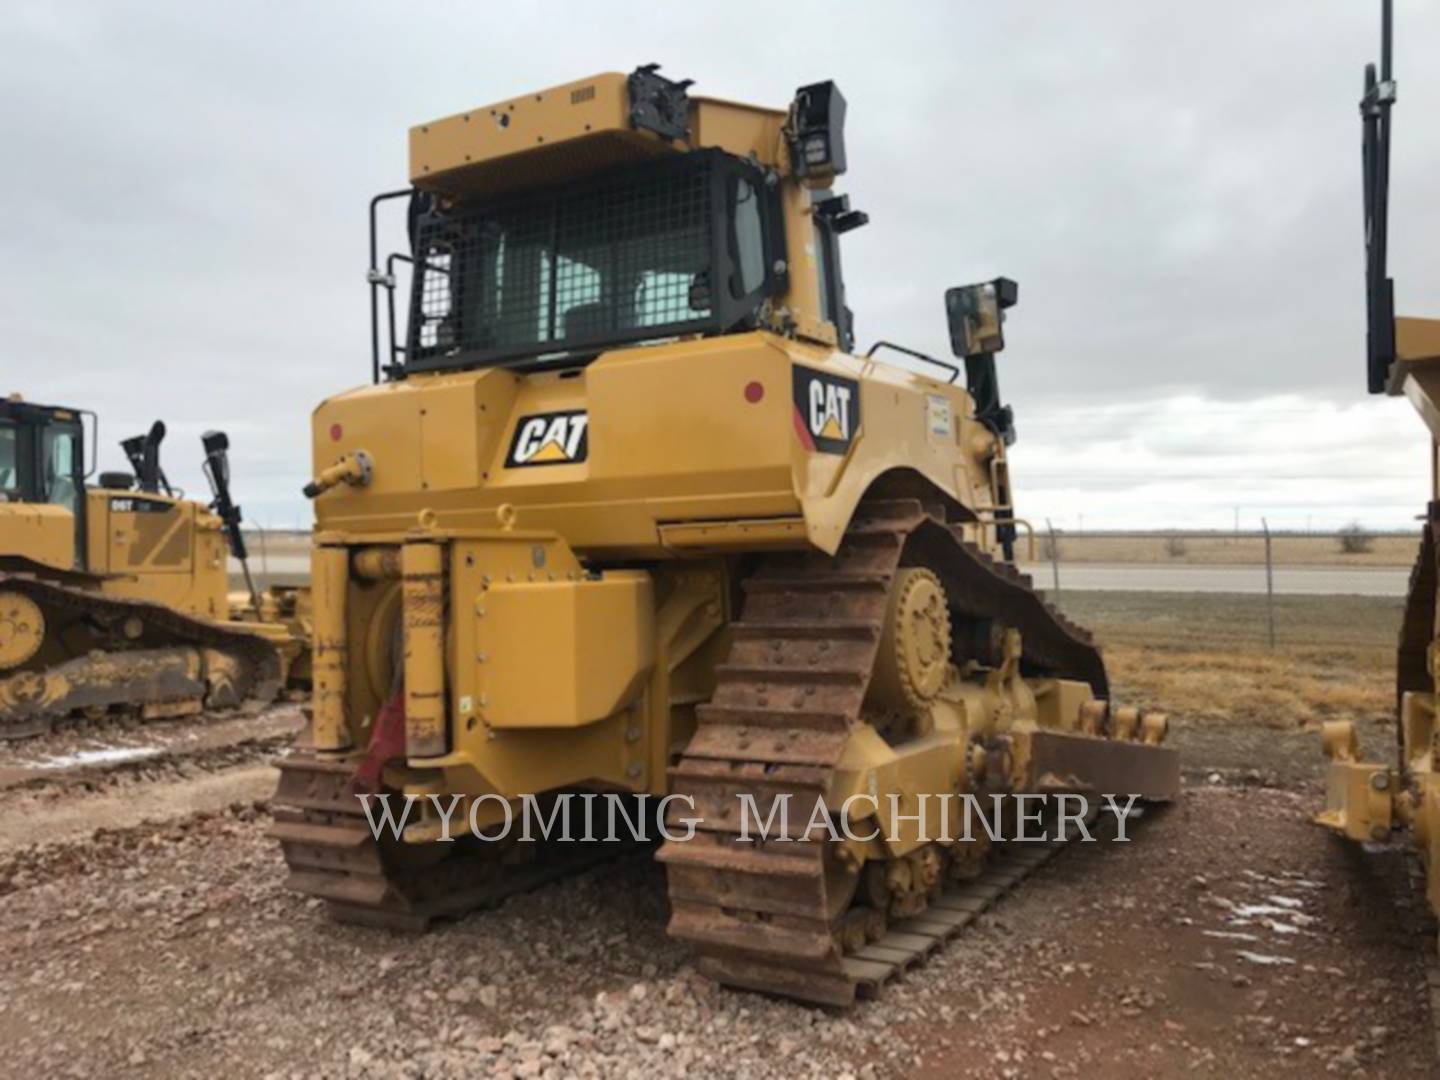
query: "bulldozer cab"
41, 454
612, 211
42, 464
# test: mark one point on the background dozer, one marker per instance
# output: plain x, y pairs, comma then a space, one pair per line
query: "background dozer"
624, 512
115, 597
1367, 801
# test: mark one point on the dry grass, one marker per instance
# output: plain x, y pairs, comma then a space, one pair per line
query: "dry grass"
1206, 657
1286, 689
1225, 549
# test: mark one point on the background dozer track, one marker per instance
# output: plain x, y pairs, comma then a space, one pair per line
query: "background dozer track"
120, 653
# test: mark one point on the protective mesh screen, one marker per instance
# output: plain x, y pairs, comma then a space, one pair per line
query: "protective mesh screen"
610, 261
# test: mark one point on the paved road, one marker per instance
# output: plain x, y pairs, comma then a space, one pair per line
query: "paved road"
1292, 580
1131, 577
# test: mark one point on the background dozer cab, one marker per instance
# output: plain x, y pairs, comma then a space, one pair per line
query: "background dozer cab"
623, 511
1366, 801
115, 596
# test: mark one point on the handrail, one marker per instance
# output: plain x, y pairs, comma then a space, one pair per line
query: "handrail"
390, 261
954, 371
376, 279
1010, 519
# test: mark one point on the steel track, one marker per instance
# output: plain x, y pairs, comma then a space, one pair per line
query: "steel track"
260, 658
764, 915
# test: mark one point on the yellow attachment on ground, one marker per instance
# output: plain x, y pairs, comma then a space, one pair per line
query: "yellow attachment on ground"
1153, 728
1359, 797
1339, 740
1125, 723
22, 629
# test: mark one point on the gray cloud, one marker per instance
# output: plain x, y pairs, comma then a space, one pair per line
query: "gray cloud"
1176, 187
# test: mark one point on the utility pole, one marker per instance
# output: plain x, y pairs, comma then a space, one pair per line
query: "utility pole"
1054, 555
1269, 583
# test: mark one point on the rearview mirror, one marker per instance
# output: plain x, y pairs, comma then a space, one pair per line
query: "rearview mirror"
976, 315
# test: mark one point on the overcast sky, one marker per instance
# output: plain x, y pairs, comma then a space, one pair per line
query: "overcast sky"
1176, 187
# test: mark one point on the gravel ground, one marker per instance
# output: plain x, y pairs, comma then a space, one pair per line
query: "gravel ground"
1229, 938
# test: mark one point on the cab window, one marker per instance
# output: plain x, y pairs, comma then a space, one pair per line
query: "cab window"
749, 239
9, 464
60, 465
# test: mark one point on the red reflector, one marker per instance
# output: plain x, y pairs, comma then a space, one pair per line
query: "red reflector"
335, 432
754, 392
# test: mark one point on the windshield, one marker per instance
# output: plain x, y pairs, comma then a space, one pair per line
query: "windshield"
628, 256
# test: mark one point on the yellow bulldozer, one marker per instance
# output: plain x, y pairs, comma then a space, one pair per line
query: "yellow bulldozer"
115, 597
623, 511
1368, 801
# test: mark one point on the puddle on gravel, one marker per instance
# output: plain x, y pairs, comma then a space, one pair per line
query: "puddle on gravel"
1274, 920
1286, 901
1263, 959
1230, 935
1252, 911
108, 755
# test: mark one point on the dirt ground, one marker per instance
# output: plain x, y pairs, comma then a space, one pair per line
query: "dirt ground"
1228, 938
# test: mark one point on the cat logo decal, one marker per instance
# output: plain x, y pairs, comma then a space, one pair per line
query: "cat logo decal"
827, 410
557, 438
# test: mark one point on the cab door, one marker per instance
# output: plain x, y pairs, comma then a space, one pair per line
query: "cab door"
60, 474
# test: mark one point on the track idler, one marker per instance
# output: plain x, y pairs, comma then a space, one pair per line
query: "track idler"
22, 629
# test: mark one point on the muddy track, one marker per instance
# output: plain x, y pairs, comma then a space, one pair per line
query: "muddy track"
333, 855
259, 660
